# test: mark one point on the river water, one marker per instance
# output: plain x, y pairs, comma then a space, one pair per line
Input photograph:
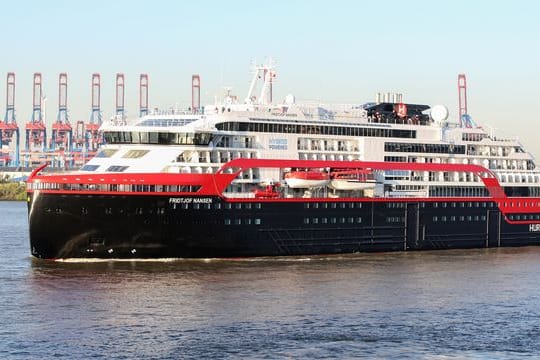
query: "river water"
470, 304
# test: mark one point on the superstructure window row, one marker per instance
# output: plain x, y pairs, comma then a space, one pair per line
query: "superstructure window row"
460, 218
315, 129
461, 191
162, 138
333, 220
424, 148
115, 187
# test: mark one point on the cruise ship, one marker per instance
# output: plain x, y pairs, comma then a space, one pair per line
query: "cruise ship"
256, 178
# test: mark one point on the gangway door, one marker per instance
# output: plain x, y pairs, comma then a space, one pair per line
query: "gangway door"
494, 228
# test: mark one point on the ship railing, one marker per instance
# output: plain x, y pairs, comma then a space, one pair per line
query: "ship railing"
239, 195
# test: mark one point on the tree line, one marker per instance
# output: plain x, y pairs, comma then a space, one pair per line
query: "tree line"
12, 190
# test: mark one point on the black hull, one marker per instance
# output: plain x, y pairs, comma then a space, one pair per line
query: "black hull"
138, 226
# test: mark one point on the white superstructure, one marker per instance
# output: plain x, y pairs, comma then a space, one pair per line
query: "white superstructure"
257, 127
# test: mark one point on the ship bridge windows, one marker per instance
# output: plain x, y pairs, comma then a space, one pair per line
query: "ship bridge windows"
254, 126
116, 168
89, 167
135, 154
106, 153
153, 137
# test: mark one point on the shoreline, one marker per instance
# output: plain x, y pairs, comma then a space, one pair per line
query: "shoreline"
10, 191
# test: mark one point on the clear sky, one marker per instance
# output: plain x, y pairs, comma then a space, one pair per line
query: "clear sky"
333, 51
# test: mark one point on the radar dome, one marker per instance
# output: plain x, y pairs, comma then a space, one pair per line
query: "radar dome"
439, 113
290, 99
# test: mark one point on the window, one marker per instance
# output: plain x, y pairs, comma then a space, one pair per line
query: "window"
424, 148
106, 153
89, 167
135, 154
116, 168
255, 126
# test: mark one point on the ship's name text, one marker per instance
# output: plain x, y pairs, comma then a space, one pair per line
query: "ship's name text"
189, 200
534, 227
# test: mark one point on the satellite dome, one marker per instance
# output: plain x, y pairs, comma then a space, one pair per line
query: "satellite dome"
439, 113
290, 99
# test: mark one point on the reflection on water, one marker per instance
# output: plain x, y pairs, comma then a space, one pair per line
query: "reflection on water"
447, 304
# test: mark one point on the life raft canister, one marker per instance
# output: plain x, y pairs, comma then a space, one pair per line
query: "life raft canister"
401, 110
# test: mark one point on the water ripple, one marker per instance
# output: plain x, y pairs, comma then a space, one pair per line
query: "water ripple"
474, 304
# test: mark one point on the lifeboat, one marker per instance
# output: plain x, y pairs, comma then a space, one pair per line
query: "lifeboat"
354, 179
307, 178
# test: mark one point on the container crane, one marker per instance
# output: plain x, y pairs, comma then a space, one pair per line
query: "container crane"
61, 129
195, 93
36, 132
120, 110
93, 138
465, 120
9, 130
143, 95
